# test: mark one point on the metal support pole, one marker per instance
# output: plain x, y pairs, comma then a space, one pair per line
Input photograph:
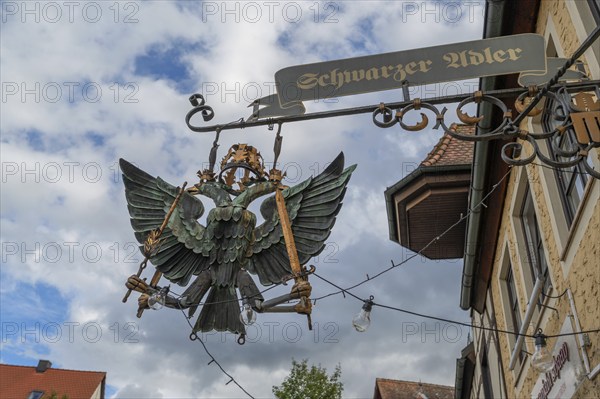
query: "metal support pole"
368, 109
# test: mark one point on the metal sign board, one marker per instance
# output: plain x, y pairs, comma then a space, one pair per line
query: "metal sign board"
457, 61
553, 64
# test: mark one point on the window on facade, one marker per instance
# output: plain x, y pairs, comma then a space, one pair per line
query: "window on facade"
595, 8
35, 394
513, 302
571, 181
486, 376
535, 248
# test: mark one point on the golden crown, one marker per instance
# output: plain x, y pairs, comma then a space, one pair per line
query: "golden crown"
242, 156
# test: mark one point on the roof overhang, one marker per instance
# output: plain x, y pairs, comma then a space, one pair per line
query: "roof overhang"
424, 205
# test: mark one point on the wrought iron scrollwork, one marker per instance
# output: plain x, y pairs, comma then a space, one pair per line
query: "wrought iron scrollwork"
580, 119
514, 153
199, 106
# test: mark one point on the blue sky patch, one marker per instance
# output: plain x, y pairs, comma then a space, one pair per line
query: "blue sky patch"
166, 62
360, 41
32, 318
35, 140
284, 39
97, 139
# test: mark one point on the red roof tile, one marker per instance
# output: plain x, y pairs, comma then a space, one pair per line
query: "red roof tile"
17, 382
396, 389
451, 151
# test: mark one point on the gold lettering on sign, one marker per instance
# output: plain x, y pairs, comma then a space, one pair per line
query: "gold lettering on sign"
338, 78
467, 58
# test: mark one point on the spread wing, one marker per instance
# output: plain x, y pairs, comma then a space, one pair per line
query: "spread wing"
312, 207
182, 252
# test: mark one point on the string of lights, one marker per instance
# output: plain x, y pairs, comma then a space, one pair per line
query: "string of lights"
368, 304
433, 241
372, 303
195, 337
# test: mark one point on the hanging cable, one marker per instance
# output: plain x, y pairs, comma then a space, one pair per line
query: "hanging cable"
345, 291
231, 300
213, 359
433, 241
444, 319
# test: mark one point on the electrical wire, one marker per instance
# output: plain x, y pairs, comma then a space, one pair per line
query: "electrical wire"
418, 314
553, 297
345, 291
447, 320
213, 359
230, 300
433, 241
565, 170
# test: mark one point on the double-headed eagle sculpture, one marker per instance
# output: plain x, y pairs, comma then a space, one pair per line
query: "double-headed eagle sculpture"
223, 254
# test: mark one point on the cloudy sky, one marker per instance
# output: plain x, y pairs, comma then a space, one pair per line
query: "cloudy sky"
85, 83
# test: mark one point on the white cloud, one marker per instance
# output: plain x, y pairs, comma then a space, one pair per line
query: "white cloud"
54, 197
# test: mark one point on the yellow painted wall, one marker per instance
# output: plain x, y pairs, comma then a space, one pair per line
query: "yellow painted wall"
582, 258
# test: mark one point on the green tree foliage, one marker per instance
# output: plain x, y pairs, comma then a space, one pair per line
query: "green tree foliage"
310, 383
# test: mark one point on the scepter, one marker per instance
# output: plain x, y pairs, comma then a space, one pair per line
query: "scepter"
286, 227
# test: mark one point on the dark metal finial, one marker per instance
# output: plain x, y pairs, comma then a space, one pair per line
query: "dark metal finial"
212, 158
277, 145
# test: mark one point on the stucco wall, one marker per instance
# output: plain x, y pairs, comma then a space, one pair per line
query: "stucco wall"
573, 257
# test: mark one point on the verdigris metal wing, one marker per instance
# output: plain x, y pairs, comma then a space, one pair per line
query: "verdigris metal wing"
312, 207
183, 251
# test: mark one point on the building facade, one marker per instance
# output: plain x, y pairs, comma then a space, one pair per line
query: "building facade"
532, 251
542, 269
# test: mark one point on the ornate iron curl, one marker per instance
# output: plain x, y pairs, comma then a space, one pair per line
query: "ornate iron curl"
386, 113
198, 102
512, 153
416, 106
497, 133
525, 99
389, 119
517, 149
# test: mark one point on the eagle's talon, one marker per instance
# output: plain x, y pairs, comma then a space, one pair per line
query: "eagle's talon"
143, 301
135, 283
301, 289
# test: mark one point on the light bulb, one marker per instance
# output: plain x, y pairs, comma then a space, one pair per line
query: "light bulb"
247, 315
158, 298
542, 359
362, 320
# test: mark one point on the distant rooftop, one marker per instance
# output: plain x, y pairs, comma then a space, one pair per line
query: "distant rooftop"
450, 151
397, 389
23, 381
